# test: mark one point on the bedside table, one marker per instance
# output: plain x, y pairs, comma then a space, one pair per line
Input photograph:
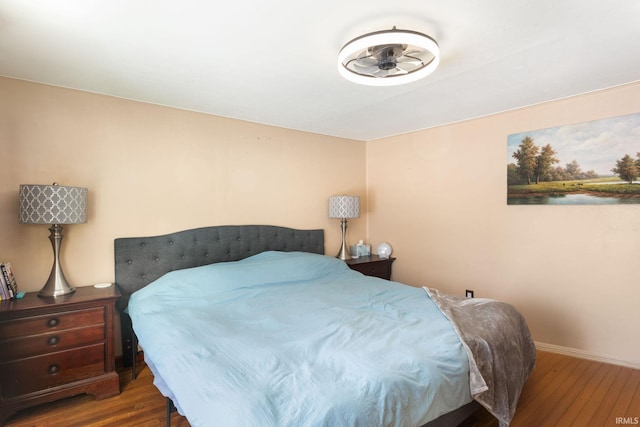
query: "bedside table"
51, 348
372, 265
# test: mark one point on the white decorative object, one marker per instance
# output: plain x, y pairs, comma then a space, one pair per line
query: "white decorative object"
102, 285
384, 250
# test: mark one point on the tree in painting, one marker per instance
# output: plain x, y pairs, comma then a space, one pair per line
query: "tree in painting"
627, 168
545, 161
527, 159
535, 165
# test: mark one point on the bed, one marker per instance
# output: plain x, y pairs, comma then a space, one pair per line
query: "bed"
254, 325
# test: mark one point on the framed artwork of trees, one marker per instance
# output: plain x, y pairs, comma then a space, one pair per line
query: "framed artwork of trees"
596, 162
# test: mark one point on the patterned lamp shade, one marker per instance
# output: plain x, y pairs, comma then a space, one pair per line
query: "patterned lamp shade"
344, 207
52, 204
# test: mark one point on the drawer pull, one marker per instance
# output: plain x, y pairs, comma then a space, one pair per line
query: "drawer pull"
54, 340
53, 369
53, 322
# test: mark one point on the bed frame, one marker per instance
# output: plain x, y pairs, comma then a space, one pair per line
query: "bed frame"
141, 260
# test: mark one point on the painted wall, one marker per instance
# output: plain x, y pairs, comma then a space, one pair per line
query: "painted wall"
439, 197
153, 170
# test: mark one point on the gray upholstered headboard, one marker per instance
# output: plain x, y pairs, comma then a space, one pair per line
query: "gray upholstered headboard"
141, 260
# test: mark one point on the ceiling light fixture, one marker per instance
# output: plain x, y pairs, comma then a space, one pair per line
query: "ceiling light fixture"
388, 58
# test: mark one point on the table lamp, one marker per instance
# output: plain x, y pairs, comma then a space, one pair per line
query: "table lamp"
344, 207
56, 205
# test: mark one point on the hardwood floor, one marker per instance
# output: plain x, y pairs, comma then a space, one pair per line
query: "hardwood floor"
562, 391
139, 404
566, 391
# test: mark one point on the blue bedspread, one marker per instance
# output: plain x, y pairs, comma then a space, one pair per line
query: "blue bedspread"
297, 339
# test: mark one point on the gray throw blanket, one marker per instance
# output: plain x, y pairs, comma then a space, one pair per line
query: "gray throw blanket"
501, 351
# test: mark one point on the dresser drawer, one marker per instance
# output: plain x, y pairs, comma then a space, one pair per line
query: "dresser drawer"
372, 265
375, 269
34, 325
52, 348
35, 345
37, 373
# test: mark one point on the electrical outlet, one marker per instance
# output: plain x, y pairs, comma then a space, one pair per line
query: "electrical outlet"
469, 293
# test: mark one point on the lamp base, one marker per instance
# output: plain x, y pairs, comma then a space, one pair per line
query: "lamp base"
56, 289
343, 253
56, 285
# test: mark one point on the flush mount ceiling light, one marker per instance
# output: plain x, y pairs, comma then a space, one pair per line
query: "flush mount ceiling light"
389, 57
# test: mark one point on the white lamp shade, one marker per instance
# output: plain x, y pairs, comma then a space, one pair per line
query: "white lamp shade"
52, 204
344, 207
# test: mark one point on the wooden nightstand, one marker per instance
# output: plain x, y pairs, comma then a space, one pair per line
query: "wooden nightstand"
52, 348
372, 266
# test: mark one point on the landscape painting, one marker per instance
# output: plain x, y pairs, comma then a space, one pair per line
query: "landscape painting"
596, 162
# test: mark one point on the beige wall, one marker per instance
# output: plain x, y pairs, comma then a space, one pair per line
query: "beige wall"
154, 170
439, 197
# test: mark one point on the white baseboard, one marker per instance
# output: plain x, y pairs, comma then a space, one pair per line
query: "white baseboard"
574, 352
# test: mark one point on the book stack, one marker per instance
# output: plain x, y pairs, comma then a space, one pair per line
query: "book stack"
8, 284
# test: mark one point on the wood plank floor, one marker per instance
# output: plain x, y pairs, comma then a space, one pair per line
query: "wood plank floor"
139, 404
562, 391
566, 391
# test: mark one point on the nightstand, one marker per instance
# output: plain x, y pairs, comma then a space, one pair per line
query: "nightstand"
372, 265
51, 348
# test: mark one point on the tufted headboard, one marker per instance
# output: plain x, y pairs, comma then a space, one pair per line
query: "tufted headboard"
141, 260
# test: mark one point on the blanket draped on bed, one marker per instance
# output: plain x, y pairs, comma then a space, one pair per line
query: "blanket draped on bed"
499, 346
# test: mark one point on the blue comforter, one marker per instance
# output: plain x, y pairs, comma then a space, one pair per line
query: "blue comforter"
297, 339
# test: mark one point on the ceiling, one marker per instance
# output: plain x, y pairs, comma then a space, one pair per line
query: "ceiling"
275, 62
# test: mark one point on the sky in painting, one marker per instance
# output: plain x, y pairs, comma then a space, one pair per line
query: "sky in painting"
595, 145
